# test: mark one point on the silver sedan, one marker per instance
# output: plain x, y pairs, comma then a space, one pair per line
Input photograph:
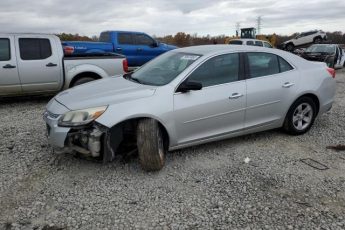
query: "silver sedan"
190, 96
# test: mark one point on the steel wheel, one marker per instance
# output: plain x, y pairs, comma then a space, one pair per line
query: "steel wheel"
302, 116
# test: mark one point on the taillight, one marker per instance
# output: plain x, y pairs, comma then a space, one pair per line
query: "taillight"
125, 65
68, 50
331, 71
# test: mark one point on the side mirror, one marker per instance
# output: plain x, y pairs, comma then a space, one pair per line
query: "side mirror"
155, 44
188, 86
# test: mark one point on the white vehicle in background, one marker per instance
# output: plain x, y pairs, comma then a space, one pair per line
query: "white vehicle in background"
315, 36
250, 42
35, 64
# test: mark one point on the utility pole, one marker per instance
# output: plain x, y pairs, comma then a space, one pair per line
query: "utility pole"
259, 24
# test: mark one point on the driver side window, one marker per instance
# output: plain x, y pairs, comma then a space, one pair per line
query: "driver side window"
217, 70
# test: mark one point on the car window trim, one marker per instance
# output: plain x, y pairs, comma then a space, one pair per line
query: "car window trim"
9, 49
241, 70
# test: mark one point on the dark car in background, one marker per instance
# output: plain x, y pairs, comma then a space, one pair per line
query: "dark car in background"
331, 54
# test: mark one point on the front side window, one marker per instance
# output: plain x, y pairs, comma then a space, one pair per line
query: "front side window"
5, 51
143, 39
164, 68
262, 64
218, 70
125, 39
34, 48
250, 43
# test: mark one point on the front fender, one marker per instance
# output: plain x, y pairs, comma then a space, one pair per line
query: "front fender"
150, 107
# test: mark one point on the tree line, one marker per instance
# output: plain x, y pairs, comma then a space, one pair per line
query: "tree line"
182, 39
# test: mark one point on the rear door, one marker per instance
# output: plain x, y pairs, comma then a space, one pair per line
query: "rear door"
271, 83
39, 65
218, 108
9, 78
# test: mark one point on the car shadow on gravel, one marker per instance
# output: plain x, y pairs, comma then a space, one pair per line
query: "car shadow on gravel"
25, 99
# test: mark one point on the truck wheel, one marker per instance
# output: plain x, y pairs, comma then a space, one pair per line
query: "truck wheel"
150, 145
82, 81
290, 47
300, 116
317, 40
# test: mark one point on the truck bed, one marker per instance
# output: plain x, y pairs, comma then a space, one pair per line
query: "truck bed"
80, 47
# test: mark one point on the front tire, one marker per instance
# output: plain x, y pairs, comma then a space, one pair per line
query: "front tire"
300, 116
317, 40
150, 145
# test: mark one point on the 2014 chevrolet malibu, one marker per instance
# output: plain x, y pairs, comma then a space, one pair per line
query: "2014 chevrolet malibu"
190, 96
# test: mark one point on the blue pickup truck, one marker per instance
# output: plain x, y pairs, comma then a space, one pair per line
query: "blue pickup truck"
138, 47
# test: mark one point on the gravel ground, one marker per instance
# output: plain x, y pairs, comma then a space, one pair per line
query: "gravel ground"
208, 186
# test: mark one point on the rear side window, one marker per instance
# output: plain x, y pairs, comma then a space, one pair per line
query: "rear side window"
34, 48
105, 37
235, 42
262, 64
5, 51
143, 39
218, 70
125, 39
284, 65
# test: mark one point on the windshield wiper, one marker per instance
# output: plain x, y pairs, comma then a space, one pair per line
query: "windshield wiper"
129, 77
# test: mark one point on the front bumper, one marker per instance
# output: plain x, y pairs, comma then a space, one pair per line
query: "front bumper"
56, 135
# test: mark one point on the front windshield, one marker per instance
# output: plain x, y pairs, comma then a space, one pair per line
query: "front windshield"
320, 49
164, 69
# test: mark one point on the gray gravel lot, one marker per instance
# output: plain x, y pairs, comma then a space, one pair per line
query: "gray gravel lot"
207, 186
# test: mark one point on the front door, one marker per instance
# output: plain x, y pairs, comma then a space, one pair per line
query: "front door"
9, 78
218, 108
147, 48
39, 65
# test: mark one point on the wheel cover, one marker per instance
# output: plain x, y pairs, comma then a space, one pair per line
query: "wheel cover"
302, 116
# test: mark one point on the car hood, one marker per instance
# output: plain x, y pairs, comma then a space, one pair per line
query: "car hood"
286, 42
102, 92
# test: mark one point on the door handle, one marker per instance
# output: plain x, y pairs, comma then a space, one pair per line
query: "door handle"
51, 64
288, 85
235, 96
118, 49
8, 66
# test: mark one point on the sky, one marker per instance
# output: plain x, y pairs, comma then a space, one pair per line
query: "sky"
164, 17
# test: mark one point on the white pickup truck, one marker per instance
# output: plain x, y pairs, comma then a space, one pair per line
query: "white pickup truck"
35, 64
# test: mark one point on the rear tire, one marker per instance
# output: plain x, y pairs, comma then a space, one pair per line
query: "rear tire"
300, 116
150, 145
290, 47
82, 81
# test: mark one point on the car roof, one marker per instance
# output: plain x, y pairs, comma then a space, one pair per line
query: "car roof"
210, 49
247, 39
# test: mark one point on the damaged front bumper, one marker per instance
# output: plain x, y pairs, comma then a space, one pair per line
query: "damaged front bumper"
92, 140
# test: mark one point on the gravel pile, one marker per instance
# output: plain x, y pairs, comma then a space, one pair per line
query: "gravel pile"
208, 186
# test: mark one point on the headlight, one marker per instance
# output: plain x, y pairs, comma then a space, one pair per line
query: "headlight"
81, 117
